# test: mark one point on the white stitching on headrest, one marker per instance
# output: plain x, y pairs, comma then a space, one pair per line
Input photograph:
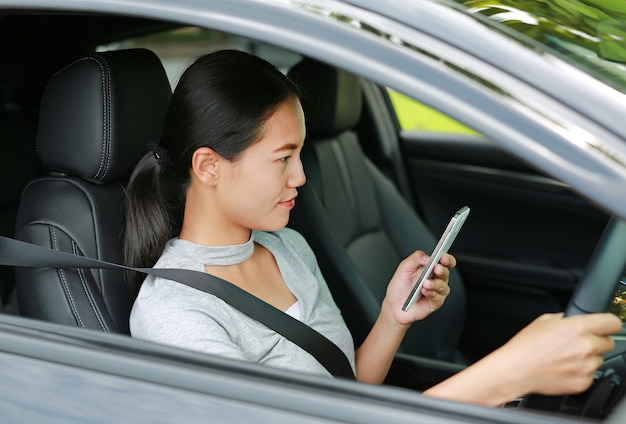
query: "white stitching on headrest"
106, 130
106, 91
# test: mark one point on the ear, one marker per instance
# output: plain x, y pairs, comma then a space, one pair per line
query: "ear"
204, 165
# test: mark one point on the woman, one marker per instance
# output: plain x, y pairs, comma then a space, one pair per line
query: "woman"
215, 195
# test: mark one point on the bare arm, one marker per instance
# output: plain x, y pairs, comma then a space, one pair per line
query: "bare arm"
551, 356
374, 356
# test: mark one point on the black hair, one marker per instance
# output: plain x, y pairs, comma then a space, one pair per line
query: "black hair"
221, 101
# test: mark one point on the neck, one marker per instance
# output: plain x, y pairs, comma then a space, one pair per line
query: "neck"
201, 225
200, 234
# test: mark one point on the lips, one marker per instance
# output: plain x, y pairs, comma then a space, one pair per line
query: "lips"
289, 203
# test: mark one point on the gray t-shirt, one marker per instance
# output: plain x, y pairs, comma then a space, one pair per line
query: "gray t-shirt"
174, 314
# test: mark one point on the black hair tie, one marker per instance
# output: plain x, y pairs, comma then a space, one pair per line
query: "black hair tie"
161, 155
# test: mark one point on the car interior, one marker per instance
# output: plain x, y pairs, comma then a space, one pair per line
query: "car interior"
357, 222
75, 118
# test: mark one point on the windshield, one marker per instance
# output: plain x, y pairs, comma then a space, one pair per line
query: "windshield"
590, 34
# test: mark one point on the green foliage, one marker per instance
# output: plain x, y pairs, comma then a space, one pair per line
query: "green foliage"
574, 21
596, 25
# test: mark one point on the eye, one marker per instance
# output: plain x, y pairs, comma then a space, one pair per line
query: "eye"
285, 159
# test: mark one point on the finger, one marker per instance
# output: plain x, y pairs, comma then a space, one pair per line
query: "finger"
418, 258
434, 299
435, 286
441, 272
448, 261
423, 257
598, 361
601, 324
603, 344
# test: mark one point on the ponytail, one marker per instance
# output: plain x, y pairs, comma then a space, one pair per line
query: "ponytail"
154, 211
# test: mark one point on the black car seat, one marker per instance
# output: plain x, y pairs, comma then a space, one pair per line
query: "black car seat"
97, 115
358, 224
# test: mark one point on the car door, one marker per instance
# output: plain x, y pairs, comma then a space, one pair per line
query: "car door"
528, 238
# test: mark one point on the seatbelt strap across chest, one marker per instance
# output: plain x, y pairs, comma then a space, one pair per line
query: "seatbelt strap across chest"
18, 253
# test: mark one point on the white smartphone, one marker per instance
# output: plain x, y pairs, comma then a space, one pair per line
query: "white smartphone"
448, 236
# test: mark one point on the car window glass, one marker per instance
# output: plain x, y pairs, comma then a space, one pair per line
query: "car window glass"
178, 47
413, 115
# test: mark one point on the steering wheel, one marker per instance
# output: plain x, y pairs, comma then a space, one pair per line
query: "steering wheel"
604, 270
594, 291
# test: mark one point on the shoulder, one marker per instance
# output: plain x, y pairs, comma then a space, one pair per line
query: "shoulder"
178, 254
171, 297
169, 309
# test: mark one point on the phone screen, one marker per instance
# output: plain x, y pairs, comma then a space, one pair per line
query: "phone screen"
448, 236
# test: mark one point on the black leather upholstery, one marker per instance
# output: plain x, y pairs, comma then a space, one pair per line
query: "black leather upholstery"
356, 221
97, 115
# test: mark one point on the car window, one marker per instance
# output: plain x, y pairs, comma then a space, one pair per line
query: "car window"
175, 47
413, 115
178, 47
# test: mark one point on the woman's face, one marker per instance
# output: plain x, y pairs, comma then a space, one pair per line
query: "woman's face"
260, 188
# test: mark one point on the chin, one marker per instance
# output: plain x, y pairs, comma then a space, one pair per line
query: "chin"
273, 226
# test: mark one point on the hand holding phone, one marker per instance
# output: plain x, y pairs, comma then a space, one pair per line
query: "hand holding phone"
448, 236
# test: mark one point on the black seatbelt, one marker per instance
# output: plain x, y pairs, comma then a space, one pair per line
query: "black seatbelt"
18, 253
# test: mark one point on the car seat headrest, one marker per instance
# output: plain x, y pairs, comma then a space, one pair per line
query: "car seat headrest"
331, 98
98, 113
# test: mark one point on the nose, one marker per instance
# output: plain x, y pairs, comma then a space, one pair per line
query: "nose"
297, 177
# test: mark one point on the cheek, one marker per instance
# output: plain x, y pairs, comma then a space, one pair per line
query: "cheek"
258, 180
258, 185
